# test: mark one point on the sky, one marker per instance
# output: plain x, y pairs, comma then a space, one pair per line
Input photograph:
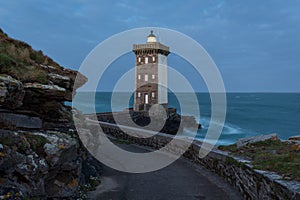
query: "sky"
255, 44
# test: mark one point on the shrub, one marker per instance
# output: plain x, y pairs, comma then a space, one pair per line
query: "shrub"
37, 56
6, 60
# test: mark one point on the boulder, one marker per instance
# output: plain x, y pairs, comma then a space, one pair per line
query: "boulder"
245, 141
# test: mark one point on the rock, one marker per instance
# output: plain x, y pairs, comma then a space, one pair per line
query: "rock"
24, 169
295, 147
296, 137
295, 140
51, 149
20, 121
62, 81
39, 163
51, 88
54, 173
44, 167
245, 141
11, 92
29, 79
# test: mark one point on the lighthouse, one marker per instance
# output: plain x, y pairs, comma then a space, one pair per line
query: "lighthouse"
151, 75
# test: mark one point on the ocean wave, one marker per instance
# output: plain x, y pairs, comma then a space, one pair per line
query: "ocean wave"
228, 128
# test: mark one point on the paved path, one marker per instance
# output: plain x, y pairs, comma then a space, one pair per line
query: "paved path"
181, 180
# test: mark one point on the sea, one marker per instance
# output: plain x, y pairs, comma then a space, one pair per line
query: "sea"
248, 114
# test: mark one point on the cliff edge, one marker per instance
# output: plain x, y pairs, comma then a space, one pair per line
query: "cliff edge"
41, 155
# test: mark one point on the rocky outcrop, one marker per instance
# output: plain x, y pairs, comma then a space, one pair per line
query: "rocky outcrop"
40, 164
32, 83
245, 141
41, 156
295, 138
45, 101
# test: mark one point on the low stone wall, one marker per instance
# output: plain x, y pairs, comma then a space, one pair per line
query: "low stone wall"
253, 184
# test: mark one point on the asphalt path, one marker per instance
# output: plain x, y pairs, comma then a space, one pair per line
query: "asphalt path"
180, 180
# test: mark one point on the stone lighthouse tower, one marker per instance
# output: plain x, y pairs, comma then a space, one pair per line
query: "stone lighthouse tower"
150, 74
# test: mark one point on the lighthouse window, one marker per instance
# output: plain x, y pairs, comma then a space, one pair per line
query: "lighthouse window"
139, 59
153, 59
153, 94
146, 99
139, 76
153, 76
146, 77
146, 60
139, 94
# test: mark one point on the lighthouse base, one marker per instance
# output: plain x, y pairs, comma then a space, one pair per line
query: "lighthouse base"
174, 123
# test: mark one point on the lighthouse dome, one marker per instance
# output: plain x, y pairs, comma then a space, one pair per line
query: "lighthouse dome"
151, 37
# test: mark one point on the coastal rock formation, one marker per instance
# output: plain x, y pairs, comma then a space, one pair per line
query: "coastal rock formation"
41, 155
245, 141
40, 164
45, 101
295, 138
33, 83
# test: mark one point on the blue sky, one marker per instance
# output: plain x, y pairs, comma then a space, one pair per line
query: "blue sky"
255, 44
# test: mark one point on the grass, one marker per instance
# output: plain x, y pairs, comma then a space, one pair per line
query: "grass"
19, 60
6, 60
26, 73
271, 155
21, 53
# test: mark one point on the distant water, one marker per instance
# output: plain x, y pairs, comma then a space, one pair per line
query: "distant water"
248, 114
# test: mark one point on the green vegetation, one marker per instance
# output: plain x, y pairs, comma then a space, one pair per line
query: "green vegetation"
7, 141
6, 60
21, 53
120, 141
19, 60
25, 141
271, 155
90, 186
26, 73
36, 142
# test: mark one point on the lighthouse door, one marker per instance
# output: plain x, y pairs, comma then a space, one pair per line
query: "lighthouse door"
146, 99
